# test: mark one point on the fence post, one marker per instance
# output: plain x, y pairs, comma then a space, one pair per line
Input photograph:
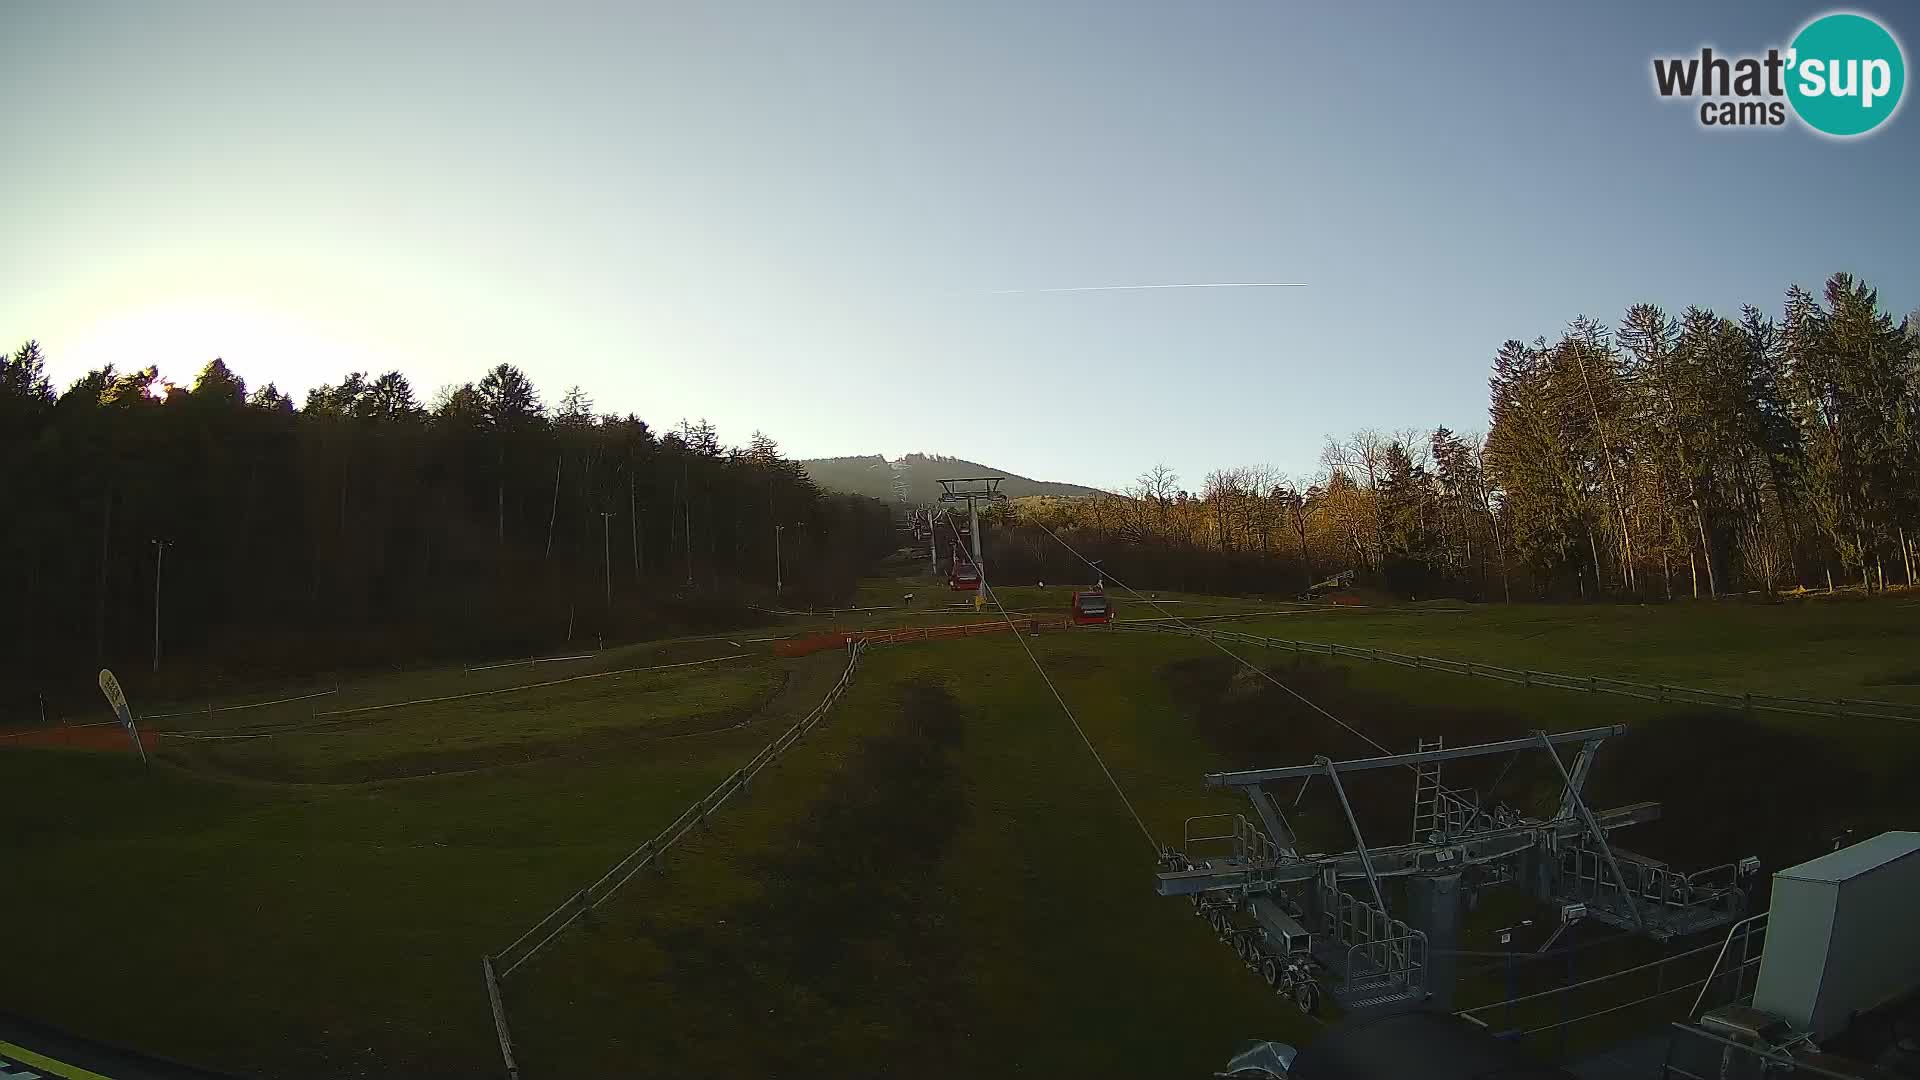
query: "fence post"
499, 1018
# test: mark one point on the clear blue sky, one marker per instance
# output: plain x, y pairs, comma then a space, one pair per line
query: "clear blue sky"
798, 217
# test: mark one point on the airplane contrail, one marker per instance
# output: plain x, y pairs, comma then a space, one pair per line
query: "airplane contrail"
1174, 285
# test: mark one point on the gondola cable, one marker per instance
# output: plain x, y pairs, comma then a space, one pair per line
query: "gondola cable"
1249, 665
987, 587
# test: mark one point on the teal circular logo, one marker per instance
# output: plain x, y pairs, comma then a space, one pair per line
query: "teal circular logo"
1845, 73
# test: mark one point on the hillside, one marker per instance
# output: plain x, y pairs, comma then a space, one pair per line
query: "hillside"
914, 478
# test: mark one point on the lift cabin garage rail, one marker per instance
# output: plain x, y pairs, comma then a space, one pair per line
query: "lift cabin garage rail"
1298, 918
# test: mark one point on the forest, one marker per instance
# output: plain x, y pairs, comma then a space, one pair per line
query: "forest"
1689, 456
188, 535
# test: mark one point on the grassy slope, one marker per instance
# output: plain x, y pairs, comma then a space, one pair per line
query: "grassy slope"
1071, 963
614, 713
334, 930
314, 930
409, 685
1068, 963
1813, 648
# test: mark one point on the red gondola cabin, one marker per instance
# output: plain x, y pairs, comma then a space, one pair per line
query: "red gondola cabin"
1090, 607
965, 577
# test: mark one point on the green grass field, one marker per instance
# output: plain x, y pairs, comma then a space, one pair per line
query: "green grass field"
331, 929
605, 715
940, 880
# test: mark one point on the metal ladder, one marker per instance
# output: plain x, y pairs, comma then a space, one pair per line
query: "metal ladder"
1426, 794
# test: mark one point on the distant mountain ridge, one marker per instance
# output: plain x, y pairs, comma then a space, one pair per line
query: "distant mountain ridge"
914, 478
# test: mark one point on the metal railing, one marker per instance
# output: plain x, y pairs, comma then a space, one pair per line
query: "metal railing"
650, 851
1389, 947
1242, 839
1453, 814
1662, 988
1645, 880
1840, 707
1217, 844
1401, 960
1704, 1055
1255, 846
1746, 929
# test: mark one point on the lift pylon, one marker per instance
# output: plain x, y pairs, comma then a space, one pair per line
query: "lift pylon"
973, 490
1232, 866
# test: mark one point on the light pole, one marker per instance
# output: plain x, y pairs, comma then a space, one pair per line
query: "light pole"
777, 583
159, 556
686, 511
633, 517
606, 550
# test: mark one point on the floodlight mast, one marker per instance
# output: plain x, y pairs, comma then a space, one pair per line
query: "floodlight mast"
974, 490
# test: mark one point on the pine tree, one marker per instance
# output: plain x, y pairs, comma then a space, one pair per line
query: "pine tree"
507, 398
576, 409
389, 398
1529, 458
217, 384
23, 377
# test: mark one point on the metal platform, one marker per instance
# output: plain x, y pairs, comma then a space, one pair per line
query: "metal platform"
1461, 842
1376, 993
1649, 896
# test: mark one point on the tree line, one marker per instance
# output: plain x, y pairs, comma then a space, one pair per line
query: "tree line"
367, 527
1696, 455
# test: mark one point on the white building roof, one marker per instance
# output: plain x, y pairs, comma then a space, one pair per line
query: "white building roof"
1861, 858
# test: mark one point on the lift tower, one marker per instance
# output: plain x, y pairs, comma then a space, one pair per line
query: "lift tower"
973, 490
1296, 917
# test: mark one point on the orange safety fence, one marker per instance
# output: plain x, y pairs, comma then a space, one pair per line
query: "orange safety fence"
79, 737
839, 639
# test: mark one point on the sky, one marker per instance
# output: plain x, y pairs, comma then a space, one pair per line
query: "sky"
830, 222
